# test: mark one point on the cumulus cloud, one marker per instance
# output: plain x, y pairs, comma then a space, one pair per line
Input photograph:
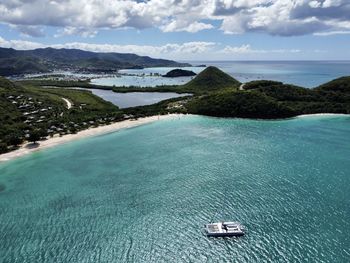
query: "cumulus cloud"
67, 31
176, 26
172, 49
167, 50
19, 44
86, 17
247, 49
330, 33
29, 31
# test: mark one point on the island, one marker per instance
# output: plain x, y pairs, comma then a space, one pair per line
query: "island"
175, 73
29, 112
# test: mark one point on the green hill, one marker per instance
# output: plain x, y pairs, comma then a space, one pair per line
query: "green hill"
270, 99
14, 62
211, 79
239, 104
337, 85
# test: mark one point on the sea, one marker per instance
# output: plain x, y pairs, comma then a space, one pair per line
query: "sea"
307, 74
144, 194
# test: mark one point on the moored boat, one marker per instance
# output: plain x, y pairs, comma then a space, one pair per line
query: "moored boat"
224, 229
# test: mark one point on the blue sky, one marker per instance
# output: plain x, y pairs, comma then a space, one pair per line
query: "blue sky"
183, 29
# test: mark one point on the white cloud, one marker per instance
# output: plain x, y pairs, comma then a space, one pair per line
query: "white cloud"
29, 31
67, 31
247, 49
176, 26
19, 44
86, 17
168, 50
330, 33
330, 3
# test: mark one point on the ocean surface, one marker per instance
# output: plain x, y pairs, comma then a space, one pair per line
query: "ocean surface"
303, 73
147, 77
144, 194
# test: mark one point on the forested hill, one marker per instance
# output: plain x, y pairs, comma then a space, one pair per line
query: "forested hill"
270, 100
14, 62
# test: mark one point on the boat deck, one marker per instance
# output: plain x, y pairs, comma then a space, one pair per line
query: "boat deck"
224, 229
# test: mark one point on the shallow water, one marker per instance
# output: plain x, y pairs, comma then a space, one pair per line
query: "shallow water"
142, 78
303, 73
133, 99
143, 194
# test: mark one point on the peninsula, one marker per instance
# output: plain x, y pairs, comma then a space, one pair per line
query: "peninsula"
30, 113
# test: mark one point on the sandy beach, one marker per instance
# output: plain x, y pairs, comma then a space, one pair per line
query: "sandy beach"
321, 114
28, 148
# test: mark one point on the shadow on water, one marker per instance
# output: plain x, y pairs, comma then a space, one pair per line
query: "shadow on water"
2, 187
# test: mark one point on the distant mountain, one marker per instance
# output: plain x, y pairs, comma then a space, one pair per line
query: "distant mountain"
15, 62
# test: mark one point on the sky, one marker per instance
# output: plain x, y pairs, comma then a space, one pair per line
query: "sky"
183, 29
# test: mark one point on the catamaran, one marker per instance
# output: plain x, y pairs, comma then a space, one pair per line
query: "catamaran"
224, 229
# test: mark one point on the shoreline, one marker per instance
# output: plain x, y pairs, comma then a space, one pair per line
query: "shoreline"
26, 148
321, 114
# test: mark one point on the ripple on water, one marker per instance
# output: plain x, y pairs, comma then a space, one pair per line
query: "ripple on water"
143, 195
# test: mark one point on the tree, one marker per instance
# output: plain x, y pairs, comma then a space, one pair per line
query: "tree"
3, 147
34, 136
14, 139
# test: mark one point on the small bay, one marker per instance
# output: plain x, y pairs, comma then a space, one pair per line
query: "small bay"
143, 194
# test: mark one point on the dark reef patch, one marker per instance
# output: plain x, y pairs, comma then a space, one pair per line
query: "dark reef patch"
2, 187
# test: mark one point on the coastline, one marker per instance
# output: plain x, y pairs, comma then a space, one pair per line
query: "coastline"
27, 148
52, 142
321, 114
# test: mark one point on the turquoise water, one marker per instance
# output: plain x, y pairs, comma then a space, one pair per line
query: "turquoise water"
303, 73
133, 99
143, 194
142, 78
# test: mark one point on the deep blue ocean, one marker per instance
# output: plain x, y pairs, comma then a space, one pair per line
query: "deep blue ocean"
144, 194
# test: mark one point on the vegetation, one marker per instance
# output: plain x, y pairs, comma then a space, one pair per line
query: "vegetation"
179, 73
209, 80
239, 104
25, 109
174, 105
15, 62
35, 136
29, 112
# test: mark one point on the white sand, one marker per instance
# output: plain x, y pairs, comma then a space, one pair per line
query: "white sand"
321, 114
51, 142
